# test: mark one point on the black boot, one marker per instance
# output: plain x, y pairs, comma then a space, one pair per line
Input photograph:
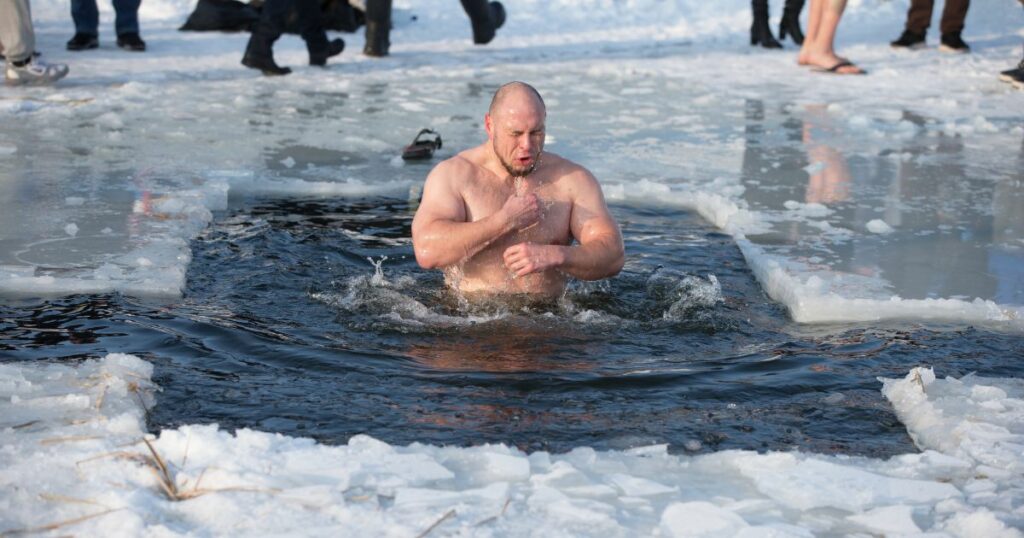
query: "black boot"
259, 54
378, 28
486, 17
265, 65
320, 57
790, 23
760, 33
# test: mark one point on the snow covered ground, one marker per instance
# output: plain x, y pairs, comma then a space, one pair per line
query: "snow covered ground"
76, 459
824, 181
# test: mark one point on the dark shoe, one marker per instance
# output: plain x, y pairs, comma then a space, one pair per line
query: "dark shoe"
422, 147
909, 40
485, 22
498, 14
265, 65
377, 39
83, 42
334, 48
1014, 76
131, 41
790, 24
761, 34
951, 42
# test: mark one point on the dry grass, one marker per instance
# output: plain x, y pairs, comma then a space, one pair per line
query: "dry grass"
57, 525
169, 485
70, 102
448, 514
494, 517
68, 439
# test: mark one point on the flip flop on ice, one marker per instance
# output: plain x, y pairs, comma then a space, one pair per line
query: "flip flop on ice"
835, 69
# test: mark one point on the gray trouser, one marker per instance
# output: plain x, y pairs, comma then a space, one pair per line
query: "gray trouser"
17, 39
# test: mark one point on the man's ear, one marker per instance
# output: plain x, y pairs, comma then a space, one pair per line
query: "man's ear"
489, 126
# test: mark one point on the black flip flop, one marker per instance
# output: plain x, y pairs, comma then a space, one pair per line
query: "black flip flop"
422, 146
834, 70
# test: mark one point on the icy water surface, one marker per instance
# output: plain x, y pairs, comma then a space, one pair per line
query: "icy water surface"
309, 317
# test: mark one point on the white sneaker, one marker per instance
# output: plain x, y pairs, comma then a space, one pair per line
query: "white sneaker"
34, 73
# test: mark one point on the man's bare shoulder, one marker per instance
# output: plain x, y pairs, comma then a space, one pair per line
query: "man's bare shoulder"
461, 167
568, 173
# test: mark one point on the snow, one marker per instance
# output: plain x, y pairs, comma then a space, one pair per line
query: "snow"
827, 184
878, 226
75, 453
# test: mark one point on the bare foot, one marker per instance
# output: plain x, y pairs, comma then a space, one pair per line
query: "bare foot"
804, 58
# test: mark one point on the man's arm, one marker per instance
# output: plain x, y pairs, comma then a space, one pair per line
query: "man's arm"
441, 237
599, 254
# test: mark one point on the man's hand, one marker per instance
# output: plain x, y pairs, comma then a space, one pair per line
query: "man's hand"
526, 258
522, 211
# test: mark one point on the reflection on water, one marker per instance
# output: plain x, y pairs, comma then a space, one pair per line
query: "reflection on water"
955, 222
829, 180
504, 348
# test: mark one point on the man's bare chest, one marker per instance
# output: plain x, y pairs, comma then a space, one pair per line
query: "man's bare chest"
555, 213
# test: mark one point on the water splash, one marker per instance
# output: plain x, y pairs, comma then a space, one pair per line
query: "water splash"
683, 296
378, 271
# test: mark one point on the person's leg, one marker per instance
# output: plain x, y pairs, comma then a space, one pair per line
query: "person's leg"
760, 33
953, 15
1015, 76
311, 28
919, 16
790, 23
18, 37
259, 53
378, 28
87, 21
86, 16
810, 38
16, 33
126, 24
818, 49
126, 16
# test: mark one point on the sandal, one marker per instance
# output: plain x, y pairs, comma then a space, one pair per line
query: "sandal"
835, 69
422, 147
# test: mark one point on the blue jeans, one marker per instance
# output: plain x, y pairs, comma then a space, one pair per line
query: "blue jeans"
87, 16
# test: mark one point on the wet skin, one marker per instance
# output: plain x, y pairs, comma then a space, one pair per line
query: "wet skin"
501, 218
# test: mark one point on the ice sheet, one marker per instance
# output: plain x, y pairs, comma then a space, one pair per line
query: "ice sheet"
896, 195
76, 455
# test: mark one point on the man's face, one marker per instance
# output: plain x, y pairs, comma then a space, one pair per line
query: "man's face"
517, 134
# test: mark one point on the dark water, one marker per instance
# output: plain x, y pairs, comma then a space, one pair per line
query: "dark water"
310, 318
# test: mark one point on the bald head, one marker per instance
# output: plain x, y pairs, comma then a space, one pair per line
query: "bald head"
516, 93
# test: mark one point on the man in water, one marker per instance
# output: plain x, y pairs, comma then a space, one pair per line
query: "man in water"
501, 218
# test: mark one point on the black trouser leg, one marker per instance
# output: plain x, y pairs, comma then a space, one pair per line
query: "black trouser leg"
267, 29
919, 16
378, 27
311, 26
953, 14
